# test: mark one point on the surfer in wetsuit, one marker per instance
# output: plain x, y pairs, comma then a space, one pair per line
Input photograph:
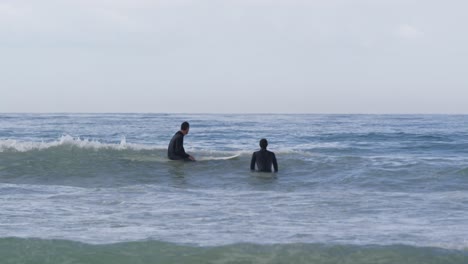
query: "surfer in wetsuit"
175, 150
263, 158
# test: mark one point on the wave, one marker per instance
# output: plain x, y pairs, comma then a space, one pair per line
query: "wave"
83, 162
362, 145
67, 140
23, 250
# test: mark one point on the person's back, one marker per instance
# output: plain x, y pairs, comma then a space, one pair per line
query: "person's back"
175, 150
264, 159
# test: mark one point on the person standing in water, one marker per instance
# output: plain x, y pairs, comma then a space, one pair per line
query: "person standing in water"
175, 150
263, 158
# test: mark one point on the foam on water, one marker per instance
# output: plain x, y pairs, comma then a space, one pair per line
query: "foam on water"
217, 216
67, 140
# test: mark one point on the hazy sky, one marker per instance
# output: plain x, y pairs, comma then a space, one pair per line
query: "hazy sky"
234, 56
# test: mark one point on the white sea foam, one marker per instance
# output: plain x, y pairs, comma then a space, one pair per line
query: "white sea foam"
24, 146
208, 216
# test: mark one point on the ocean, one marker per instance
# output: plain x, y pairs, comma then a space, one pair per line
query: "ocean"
98, 188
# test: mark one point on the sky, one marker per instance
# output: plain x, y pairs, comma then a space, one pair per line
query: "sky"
234, 56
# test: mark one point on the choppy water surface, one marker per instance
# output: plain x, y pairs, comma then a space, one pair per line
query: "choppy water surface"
347, 183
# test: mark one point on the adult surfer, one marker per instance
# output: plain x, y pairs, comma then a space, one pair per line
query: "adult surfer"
263, 158
175, 150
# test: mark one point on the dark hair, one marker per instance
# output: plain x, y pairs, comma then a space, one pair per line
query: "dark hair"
184, 126
263, 143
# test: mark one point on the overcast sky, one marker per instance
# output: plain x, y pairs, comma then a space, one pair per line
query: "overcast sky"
234, 56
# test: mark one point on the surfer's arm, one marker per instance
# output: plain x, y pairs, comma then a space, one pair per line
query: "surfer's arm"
179, 148
275, 163
252, 162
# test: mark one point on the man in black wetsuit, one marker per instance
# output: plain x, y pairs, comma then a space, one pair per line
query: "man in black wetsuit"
263, 158
175, 150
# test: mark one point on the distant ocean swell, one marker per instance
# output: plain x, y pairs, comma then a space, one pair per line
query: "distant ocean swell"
37, 251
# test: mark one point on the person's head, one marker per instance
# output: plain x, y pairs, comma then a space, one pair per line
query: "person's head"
185, 127
263, 143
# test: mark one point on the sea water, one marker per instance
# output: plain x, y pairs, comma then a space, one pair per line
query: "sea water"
98, 188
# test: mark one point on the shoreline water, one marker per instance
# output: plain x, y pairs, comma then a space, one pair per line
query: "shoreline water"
16, 250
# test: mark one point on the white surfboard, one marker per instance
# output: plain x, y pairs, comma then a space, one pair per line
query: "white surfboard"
218, 158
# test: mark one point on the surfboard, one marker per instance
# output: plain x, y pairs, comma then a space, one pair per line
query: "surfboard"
218, 158
142, 158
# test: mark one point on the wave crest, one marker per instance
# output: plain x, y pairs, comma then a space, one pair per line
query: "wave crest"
67, 140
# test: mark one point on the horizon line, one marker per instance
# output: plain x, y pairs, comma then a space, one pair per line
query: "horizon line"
234, 113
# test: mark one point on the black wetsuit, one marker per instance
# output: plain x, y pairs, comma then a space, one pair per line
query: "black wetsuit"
175, 150
264, 159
